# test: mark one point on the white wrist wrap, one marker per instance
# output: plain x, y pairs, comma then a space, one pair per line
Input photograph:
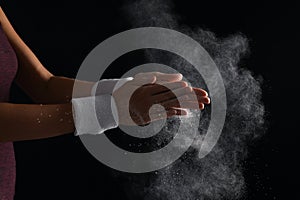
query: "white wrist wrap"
96, 114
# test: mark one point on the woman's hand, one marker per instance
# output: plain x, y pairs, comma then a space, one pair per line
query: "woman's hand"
135, 98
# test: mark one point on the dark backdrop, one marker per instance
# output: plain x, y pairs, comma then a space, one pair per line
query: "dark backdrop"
62, 33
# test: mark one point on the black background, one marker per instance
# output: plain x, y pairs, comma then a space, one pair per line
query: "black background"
62, 33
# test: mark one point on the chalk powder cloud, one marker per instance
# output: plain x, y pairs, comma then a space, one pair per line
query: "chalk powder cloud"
220, 174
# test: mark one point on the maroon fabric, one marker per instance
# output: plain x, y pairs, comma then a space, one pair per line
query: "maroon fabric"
8, 68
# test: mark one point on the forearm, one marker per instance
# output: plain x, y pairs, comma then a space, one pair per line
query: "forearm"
60, 90
52, 116
32, 121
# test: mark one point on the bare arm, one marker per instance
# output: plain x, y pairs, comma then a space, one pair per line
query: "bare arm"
26, 122
33, 77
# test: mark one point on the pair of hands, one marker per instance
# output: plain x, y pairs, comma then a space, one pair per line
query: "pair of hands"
135, 99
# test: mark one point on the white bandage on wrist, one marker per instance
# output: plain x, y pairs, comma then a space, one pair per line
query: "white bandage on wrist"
97, 113
94, 115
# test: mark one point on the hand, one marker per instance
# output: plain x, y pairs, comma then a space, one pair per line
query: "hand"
135, 98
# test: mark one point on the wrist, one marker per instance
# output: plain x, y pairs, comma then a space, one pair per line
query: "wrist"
107, 86
94, 115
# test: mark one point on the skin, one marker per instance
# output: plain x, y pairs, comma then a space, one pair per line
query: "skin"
147, 89
51, 115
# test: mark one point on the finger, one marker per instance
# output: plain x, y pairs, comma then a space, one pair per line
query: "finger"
200, 91
205, 100
171, 94
143, 79
193, 97
168, 113
163, 77
183, 104
165, 87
